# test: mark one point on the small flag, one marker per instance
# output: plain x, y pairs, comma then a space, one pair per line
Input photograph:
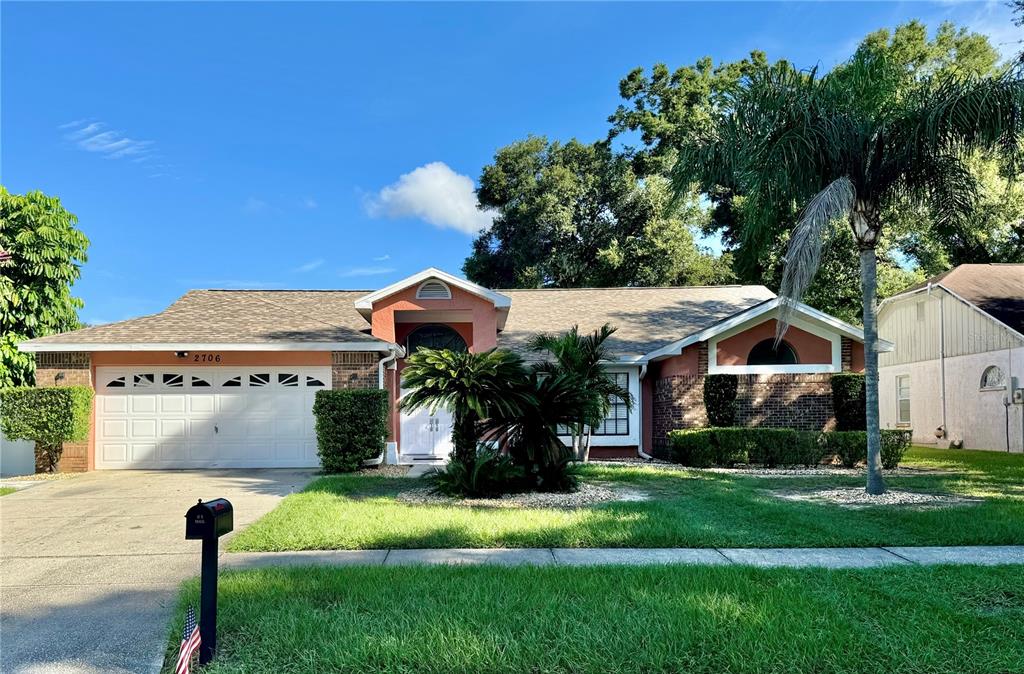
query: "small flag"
189, 643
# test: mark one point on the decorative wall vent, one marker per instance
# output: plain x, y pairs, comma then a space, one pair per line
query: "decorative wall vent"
433, 290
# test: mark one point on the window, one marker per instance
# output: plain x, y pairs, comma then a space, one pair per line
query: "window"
199, 382
903, 399
258, 380
234, 381
993, 378
766, 352
117, 382
434, 337
143, 380
285, 379
433, 290
617, 420
313, 381
173, 380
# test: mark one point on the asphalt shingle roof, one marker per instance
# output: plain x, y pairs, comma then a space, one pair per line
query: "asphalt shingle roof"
646, 318
996, 289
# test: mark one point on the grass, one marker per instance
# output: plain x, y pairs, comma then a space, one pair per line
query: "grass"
652, 619
686, 509
4, 491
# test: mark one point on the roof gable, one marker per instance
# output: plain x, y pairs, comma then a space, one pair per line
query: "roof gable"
365, 304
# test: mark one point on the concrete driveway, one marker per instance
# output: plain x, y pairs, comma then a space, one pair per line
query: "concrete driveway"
90, 566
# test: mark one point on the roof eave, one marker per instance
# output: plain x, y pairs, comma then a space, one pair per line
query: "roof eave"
32, 346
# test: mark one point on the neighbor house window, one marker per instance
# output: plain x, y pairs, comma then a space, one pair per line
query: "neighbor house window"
617, 420
767, 352
993, 378
903, 399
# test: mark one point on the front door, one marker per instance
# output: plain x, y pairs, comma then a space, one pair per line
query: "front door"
426, 435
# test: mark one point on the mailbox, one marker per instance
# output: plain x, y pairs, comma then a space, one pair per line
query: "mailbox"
209, 520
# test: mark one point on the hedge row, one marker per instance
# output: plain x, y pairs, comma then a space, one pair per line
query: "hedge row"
48, 416
703, 447
351, 425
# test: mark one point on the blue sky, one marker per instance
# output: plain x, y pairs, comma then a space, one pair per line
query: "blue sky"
336, 145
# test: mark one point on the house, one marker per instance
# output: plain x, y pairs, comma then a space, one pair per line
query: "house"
954, 376
227, 377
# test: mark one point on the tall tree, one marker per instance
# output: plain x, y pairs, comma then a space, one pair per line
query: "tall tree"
46, 256
576, 214
669, 110
844, 147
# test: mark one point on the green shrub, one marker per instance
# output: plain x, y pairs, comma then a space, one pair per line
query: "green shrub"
492, 474
720, 399
851, 447
769, 447
848, 401
351, 425
49, 416
895, 443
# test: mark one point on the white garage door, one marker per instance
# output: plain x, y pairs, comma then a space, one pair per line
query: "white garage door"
204, 417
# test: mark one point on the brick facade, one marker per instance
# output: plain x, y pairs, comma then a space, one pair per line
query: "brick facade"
71, 368
354, 369
801, 401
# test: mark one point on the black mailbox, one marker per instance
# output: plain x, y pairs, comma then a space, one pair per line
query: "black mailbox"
209, 520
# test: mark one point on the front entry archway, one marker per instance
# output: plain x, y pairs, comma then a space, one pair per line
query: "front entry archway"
426, 436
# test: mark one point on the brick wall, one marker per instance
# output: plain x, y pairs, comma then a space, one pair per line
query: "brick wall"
72, 368
354, 369
801, 401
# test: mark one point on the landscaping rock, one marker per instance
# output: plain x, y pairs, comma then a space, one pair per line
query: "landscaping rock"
588, 494
856, 497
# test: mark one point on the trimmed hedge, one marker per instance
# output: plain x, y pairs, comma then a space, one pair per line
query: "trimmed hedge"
703, 447
351, 425
49, 416
720, 399
848, 401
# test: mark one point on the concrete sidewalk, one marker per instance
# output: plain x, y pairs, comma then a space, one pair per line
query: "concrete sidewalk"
831, 558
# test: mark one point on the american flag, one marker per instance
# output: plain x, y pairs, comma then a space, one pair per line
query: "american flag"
189, 643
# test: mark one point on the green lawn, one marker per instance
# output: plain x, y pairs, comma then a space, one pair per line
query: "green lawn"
616, 619
4, 491
686, 509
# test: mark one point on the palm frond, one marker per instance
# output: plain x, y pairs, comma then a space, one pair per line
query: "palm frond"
804, 252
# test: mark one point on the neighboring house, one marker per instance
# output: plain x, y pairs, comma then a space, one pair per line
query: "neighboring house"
958, 358
228, 377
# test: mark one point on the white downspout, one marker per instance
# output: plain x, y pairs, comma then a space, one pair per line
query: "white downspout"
390, 448
942, 358
640, 443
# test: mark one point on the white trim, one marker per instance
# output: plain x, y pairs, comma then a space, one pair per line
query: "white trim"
500, 301
635, 436
743, 317
382, 347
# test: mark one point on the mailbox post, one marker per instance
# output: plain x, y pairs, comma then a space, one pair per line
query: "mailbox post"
208, 522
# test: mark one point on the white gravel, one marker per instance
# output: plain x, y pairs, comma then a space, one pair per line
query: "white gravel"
856, 497
784, 471
588, 494
384, 471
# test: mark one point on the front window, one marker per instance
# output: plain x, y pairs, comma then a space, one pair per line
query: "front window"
434, 337
617, 420
767, 352
903, 399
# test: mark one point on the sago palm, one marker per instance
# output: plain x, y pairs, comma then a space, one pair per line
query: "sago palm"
583, 357
844, 147
472, 386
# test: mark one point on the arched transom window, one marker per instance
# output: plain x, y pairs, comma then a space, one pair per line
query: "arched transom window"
993, 378
766, 352
434, 337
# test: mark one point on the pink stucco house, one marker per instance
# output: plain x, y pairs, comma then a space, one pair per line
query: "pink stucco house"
226, 378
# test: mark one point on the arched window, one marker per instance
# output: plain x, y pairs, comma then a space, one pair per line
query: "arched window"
993, 378
434, 337
766, 353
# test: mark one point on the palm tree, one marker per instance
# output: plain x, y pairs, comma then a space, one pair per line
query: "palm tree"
472, 386
846, 146
583, 357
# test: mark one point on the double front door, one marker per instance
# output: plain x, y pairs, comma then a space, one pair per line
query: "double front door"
426, 435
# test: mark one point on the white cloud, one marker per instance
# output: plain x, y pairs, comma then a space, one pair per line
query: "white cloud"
435, 193
382, 258
309, 266
995, 20
365, 271
97, 137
